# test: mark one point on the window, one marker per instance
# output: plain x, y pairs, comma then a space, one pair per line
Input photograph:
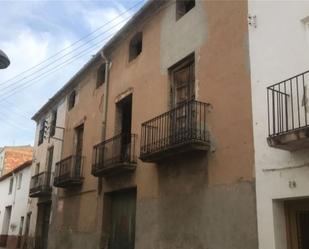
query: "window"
71, 101
42, 131
136, 46
183, 7
53, 122
101, 75
11, 185
183, 79
20, 177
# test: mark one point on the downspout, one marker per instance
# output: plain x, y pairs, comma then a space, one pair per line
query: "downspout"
105, 104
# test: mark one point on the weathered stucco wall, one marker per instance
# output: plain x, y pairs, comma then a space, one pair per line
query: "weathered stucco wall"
278, 49
207, 202
196, 201
75, 223
40, 157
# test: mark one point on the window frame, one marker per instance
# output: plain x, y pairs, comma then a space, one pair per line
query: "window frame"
100, 78
71, 101
135, 41
182, 4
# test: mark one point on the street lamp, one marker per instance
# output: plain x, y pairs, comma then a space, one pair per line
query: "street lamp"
4, 60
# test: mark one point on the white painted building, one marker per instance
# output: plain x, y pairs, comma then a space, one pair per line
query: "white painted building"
47, 152
279, 50
14, 217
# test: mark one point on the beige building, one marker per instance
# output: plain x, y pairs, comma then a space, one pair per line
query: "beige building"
158, 145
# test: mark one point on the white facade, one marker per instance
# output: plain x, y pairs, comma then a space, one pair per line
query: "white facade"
40, 158
15, 197
279, 49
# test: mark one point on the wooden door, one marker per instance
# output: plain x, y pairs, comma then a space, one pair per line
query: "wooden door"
183, 91
122, 229
297, 214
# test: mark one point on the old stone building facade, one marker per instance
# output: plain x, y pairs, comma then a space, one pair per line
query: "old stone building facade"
157, 145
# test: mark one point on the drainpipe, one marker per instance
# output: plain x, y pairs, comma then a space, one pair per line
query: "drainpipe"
105, 102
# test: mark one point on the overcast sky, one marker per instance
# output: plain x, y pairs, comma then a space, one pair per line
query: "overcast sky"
33, 31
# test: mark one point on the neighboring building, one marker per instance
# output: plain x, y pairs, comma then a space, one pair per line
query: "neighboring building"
158, 141
47, 151
13, 156
279, 45
14, 216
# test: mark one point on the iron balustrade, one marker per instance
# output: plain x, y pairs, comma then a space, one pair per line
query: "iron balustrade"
181, 125
68, 170
287, 105
119, 150
40, 183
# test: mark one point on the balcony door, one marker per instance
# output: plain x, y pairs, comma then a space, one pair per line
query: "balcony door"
183, 90
79, 131
50, 155
124, 111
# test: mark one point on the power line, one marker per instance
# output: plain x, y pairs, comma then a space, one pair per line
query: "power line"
63, 56
74, 43
43, 75
57, 68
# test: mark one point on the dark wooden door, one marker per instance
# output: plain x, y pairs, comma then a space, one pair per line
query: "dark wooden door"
298, 224
123, 206
42, 226
79, 150
183, 91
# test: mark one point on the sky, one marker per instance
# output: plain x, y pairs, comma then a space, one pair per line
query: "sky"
47, 43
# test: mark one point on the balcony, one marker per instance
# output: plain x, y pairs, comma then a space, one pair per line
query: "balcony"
287, 113
40, 185
115, 155
68, 172
179, 130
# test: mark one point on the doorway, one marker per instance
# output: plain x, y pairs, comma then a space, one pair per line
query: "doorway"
79, 133
123, 126
120, 213
6, 225
297, 214
42, 225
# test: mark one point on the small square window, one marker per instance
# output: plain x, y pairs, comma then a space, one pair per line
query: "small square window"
183, 7
101, 75
136, 46
71, 100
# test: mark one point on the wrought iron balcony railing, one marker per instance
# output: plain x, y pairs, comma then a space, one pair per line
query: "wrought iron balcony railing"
40, 185
287, 108
115, 155
69, 171
178, 130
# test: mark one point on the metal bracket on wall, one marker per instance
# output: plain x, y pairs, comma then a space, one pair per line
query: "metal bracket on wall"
56, 138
